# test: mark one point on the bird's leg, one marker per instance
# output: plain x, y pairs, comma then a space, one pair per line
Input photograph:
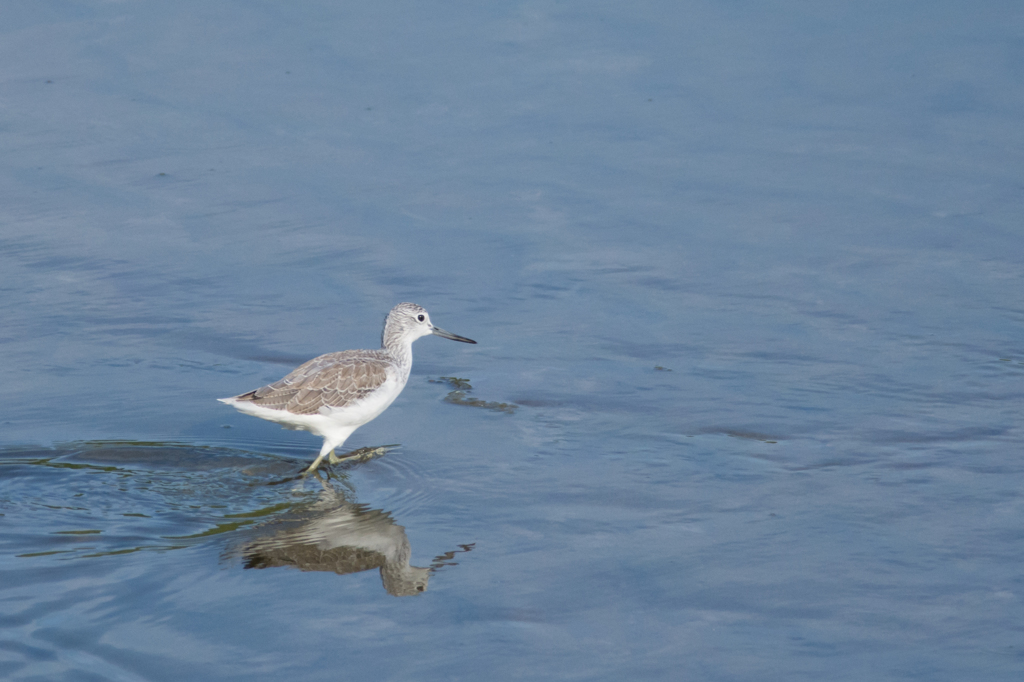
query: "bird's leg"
333, 458
316, 462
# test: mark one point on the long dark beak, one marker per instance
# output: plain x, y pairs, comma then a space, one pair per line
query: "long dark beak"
437, 331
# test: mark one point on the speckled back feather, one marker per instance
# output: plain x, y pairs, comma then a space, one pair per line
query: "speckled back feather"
331, 380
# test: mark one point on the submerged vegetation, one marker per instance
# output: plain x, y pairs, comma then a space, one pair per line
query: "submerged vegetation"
460, 396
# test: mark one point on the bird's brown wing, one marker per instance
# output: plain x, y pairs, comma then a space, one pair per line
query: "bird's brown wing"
332, 380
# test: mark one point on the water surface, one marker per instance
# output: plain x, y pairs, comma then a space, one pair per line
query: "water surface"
746, 282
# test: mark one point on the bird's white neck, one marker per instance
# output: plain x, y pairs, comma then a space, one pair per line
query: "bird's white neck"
400, 349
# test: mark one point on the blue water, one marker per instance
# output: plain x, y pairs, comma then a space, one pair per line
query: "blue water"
747, 283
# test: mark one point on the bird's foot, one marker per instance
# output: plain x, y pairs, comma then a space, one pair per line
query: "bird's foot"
365, 454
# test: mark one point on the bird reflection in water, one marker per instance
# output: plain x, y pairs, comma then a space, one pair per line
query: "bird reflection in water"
336, 535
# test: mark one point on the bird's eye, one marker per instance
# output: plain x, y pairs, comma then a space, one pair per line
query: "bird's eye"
420, 318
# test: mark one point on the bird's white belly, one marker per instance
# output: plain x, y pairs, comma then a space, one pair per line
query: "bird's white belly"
358, 413
332, 423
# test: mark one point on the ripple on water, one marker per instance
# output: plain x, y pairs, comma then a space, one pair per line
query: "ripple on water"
100, 499
402, 484
92, 533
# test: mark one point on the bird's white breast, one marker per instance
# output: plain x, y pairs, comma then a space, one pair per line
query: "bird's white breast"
333, 423
370, 406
